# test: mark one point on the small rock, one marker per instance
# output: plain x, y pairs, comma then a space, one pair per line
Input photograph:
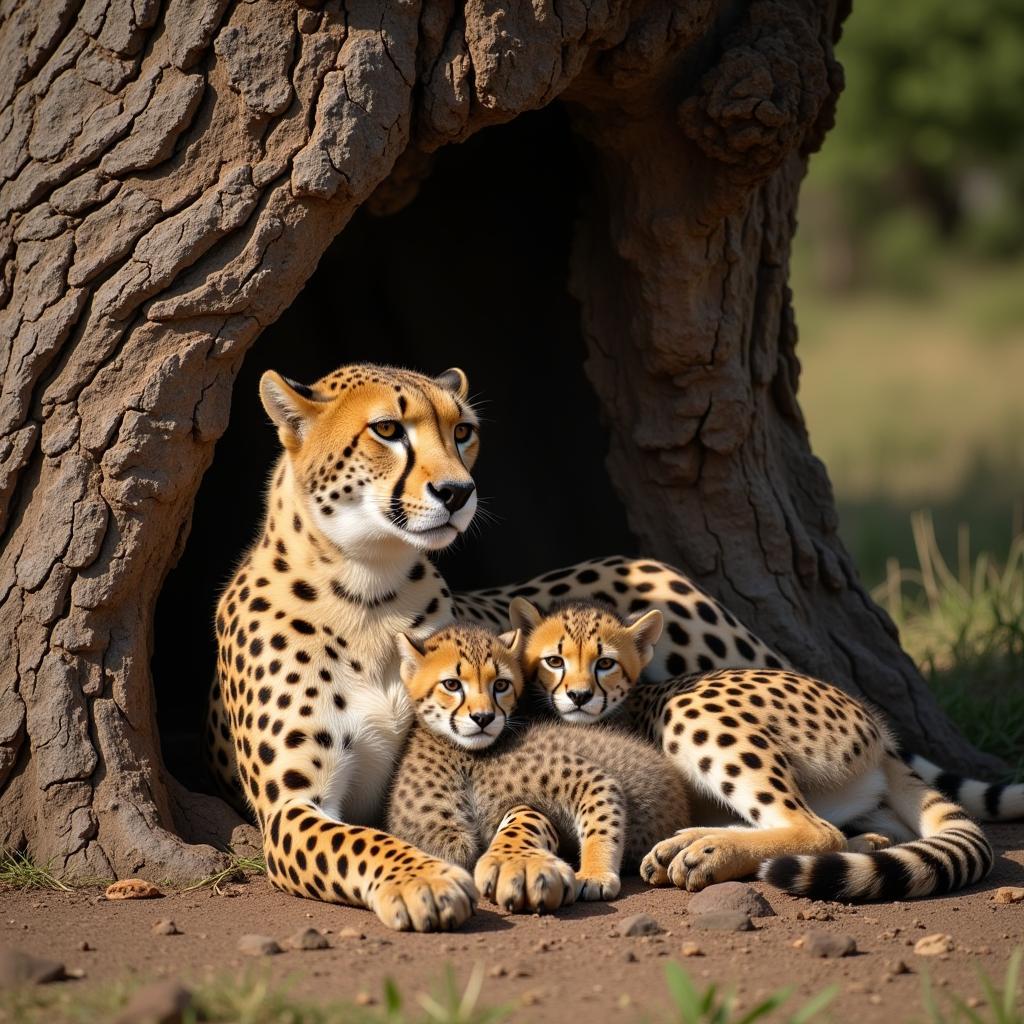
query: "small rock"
829, 945
522, 971
531, 997
730, 896
306, 938
934, 945
18, 968
815, 914
164, 1002
1008, 894
497, 971
691, 949
364, 999
132, 889
630, 957
350, 933
637, 924
74, 972
974, 1002
258, 945
725, 921
165, 926
897, 967
84, 946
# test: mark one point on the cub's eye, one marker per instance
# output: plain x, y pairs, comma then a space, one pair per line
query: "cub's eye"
463, 432
554, 661
501, 685
605, 663
451, 685
389, 430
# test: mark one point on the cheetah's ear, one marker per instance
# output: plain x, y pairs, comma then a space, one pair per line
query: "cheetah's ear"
411, 656
292, 407
645, 632
511, 640
455, 381
523, 615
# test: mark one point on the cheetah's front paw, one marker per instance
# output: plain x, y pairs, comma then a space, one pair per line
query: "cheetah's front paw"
433, 896
694, 858
604, 886
526, 880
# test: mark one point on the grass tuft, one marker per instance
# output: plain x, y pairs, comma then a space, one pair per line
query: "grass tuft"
1002, 1005
710, 1006
965, 629
238, 867
18, 872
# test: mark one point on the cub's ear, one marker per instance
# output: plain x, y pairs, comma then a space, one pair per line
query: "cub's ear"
645, 632
292, 407
524, 615
411, 656
455, 381
511, 640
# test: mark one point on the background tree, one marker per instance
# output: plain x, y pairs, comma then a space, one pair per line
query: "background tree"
171, 174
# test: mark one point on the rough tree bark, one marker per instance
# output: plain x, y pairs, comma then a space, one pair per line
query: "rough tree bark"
172, 171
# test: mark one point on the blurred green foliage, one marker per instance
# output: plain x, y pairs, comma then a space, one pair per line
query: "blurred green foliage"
928, 149
908, 268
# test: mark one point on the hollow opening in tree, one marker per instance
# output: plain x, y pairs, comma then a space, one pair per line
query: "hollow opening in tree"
473, 272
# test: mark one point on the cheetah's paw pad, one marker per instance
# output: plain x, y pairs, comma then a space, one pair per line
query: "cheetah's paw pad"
434, 896
525, 881
603, 886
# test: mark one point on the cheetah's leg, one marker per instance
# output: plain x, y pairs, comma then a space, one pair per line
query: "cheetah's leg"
309, 854
521, 869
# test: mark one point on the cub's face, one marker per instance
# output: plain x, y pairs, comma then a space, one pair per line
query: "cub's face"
380, 454
584, 656
464, 682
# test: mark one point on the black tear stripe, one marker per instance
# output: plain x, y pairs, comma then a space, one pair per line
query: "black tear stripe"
395, 510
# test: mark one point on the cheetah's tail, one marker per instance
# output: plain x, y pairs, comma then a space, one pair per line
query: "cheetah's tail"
987, 801
952, 852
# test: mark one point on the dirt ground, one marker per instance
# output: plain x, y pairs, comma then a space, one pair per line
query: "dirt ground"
541, 964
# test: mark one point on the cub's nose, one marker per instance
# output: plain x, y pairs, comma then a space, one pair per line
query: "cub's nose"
580, 697
482, 718
451, 494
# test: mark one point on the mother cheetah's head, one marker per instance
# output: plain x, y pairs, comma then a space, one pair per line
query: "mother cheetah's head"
379, 454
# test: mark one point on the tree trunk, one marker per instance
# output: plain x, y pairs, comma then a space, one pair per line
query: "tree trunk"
172, 172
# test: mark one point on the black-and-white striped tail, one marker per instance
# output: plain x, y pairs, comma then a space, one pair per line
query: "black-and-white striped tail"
984, 800
952, 852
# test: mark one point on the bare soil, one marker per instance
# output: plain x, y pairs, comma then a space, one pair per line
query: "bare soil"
541, 965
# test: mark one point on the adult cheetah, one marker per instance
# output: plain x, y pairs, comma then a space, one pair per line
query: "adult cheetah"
307, 713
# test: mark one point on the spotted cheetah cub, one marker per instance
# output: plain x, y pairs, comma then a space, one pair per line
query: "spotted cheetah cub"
467, 766
790, 761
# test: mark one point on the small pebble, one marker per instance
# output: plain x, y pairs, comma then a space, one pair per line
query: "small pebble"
350, 933
730, 896
691, 949
637, 924
165, 926
934, 945
828, 944
306, 938
1008, 894
258, 945
132, 889
724, 921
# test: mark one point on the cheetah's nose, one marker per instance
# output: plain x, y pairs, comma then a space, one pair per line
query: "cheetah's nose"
482, 718
451, 494
580, 697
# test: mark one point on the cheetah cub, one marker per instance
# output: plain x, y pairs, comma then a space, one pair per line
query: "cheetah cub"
777, 764
466, 766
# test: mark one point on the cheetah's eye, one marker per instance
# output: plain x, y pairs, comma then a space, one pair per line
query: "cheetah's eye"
451, 685
388, 430
463, 432
604, 664
554, 661
501, 685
